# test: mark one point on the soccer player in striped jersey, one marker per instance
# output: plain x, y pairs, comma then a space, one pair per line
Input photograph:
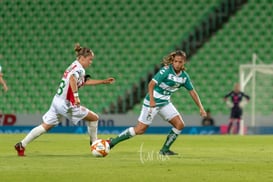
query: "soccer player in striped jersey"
66, 102
167, 80
236, 105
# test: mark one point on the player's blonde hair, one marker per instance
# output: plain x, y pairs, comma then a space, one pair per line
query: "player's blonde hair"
170, 58
82, 51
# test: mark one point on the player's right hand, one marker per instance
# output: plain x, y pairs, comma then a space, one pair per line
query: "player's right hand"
229, 103
77, 101
152, 103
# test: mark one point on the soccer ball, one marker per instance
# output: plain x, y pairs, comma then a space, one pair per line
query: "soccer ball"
100, 148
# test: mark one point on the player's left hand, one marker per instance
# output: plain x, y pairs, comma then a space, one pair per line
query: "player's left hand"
5, 87
109, 80
203, 113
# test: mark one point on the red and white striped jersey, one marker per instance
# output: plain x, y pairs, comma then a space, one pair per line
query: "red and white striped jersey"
64, 91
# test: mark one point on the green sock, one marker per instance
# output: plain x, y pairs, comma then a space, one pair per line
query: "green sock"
169, 141
125, 135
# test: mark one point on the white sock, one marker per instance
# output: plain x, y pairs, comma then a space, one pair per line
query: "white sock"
34, 133
176, 131
92, 127
132, 131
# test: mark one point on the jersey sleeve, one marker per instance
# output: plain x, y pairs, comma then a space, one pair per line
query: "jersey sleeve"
228, 95
161, 75
79, 75
246, 96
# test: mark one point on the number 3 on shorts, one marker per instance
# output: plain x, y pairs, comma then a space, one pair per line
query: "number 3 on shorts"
60, 89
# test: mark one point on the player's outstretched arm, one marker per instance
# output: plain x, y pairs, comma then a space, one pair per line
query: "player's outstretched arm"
197, 101
97, 82
2, 82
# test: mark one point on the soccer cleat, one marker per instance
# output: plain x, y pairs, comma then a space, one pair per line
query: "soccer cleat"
110, 144
168, 152
20, 149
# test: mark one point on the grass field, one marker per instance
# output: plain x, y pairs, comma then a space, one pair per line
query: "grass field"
61, 157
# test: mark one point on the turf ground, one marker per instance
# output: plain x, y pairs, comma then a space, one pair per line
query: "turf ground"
61, 157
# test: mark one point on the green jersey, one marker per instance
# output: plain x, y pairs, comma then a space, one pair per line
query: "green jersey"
167, 82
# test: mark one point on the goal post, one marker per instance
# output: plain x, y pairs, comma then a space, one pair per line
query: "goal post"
251, 77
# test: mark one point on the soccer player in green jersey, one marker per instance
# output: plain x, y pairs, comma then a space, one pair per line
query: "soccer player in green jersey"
167, 80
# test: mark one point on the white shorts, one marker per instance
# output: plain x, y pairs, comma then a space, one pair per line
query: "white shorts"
167, 112
61, 108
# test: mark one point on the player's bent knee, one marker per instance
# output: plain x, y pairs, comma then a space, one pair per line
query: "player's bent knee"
140, 130
91, 116
47, 127
96, 118
180, 126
